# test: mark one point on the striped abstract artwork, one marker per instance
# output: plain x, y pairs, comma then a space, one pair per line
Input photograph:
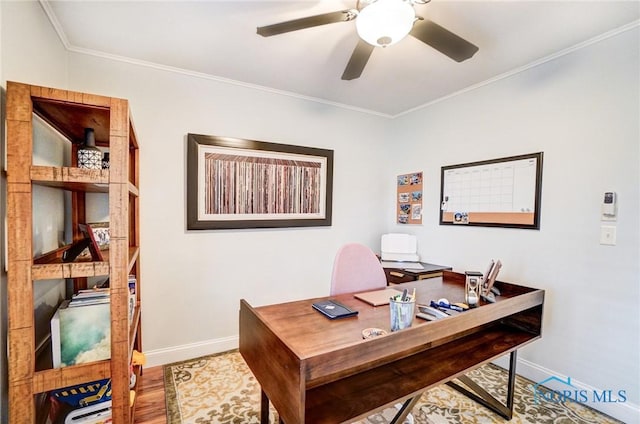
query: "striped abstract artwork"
237, 184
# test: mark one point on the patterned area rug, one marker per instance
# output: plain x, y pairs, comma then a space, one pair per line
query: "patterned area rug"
221, 389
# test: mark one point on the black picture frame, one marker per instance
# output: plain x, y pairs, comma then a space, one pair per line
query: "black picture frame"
235, 183
477, 193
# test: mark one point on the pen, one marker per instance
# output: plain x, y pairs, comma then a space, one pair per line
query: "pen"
435, 304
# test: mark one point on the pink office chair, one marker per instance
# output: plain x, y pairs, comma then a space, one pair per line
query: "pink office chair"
356, 268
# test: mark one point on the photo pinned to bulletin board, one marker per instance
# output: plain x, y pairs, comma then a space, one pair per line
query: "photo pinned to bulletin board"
409, 200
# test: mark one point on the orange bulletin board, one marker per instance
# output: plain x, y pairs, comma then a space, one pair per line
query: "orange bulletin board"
501, 192
409, 199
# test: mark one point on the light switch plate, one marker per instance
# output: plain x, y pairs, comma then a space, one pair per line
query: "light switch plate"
608, 235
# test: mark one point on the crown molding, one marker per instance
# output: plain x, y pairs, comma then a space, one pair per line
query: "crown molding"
89, 52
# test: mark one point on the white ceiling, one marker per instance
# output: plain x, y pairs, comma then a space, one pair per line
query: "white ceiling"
218, 39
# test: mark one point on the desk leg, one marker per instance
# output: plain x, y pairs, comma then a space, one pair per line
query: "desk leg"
483, 397
406, 408
512, 381
264, 408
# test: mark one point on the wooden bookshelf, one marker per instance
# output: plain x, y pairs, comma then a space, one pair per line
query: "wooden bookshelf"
70, 113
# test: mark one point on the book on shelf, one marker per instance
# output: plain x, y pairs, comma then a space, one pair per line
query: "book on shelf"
88, 403
90, 297
96, 291
81, 334
89, 301
133, 284
133, 287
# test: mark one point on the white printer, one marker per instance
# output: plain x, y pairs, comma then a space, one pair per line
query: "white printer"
399, 247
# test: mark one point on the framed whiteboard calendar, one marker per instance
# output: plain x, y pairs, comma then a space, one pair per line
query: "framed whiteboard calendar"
502, 192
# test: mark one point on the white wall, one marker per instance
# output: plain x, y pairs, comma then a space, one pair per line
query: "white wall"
31, 52
192, 281
582, 110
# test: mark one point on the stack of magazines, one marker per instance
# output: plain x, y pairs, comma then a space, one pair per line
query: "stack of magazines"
90, 297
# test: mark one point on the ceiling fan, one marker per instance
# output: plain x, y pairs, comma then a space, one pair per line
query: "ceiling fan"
381, 23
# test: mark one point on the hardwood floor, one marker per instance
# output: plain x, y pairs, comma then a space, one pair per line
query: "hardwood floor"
150, 405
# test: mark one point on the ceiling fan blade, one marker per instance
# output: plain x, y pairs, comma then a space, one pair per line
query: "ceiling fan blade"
308, 22
443, 40
359, 59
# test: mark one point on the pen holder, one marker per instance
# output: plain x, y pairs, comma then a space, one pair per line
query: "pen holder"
402, 313
472, 287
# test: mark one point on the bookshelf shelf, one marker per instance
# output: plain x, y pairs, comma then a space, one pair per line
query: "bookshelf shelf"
50, 266
72, 179
30, 370
69, 270
55, 378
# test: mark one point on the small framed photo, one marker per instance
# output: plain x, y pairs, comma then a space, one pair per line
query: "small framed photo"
93, 247
98, 234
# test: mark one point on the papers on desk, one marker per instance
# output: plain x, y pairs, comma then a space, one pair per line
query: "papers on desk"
401, 265
377, 297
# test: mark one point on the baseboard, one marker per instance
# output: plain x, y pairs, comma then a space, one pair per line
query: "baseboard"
189, 351
626, 412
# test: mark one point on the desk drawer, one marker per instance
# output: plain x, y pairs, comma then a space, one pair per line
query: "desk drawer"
396, 276
430, 275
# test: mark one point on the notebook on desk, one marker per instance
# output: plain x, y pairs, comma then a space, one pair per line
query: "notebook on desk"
333, 309
377, 297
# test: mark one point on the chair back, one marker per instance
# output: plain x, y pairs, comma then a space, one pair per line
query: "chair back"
355, 269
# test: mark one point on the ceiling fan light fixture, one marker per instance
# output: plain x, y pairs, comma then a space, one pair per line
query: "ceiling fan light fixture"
385, 22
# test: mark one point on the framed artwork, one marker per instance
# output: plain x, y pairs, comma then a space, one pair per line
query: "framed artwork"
502, 192
238, 183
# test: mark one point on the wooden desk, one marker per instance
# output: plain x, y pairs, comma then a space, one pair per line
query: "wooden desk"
401, 275
315, 370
